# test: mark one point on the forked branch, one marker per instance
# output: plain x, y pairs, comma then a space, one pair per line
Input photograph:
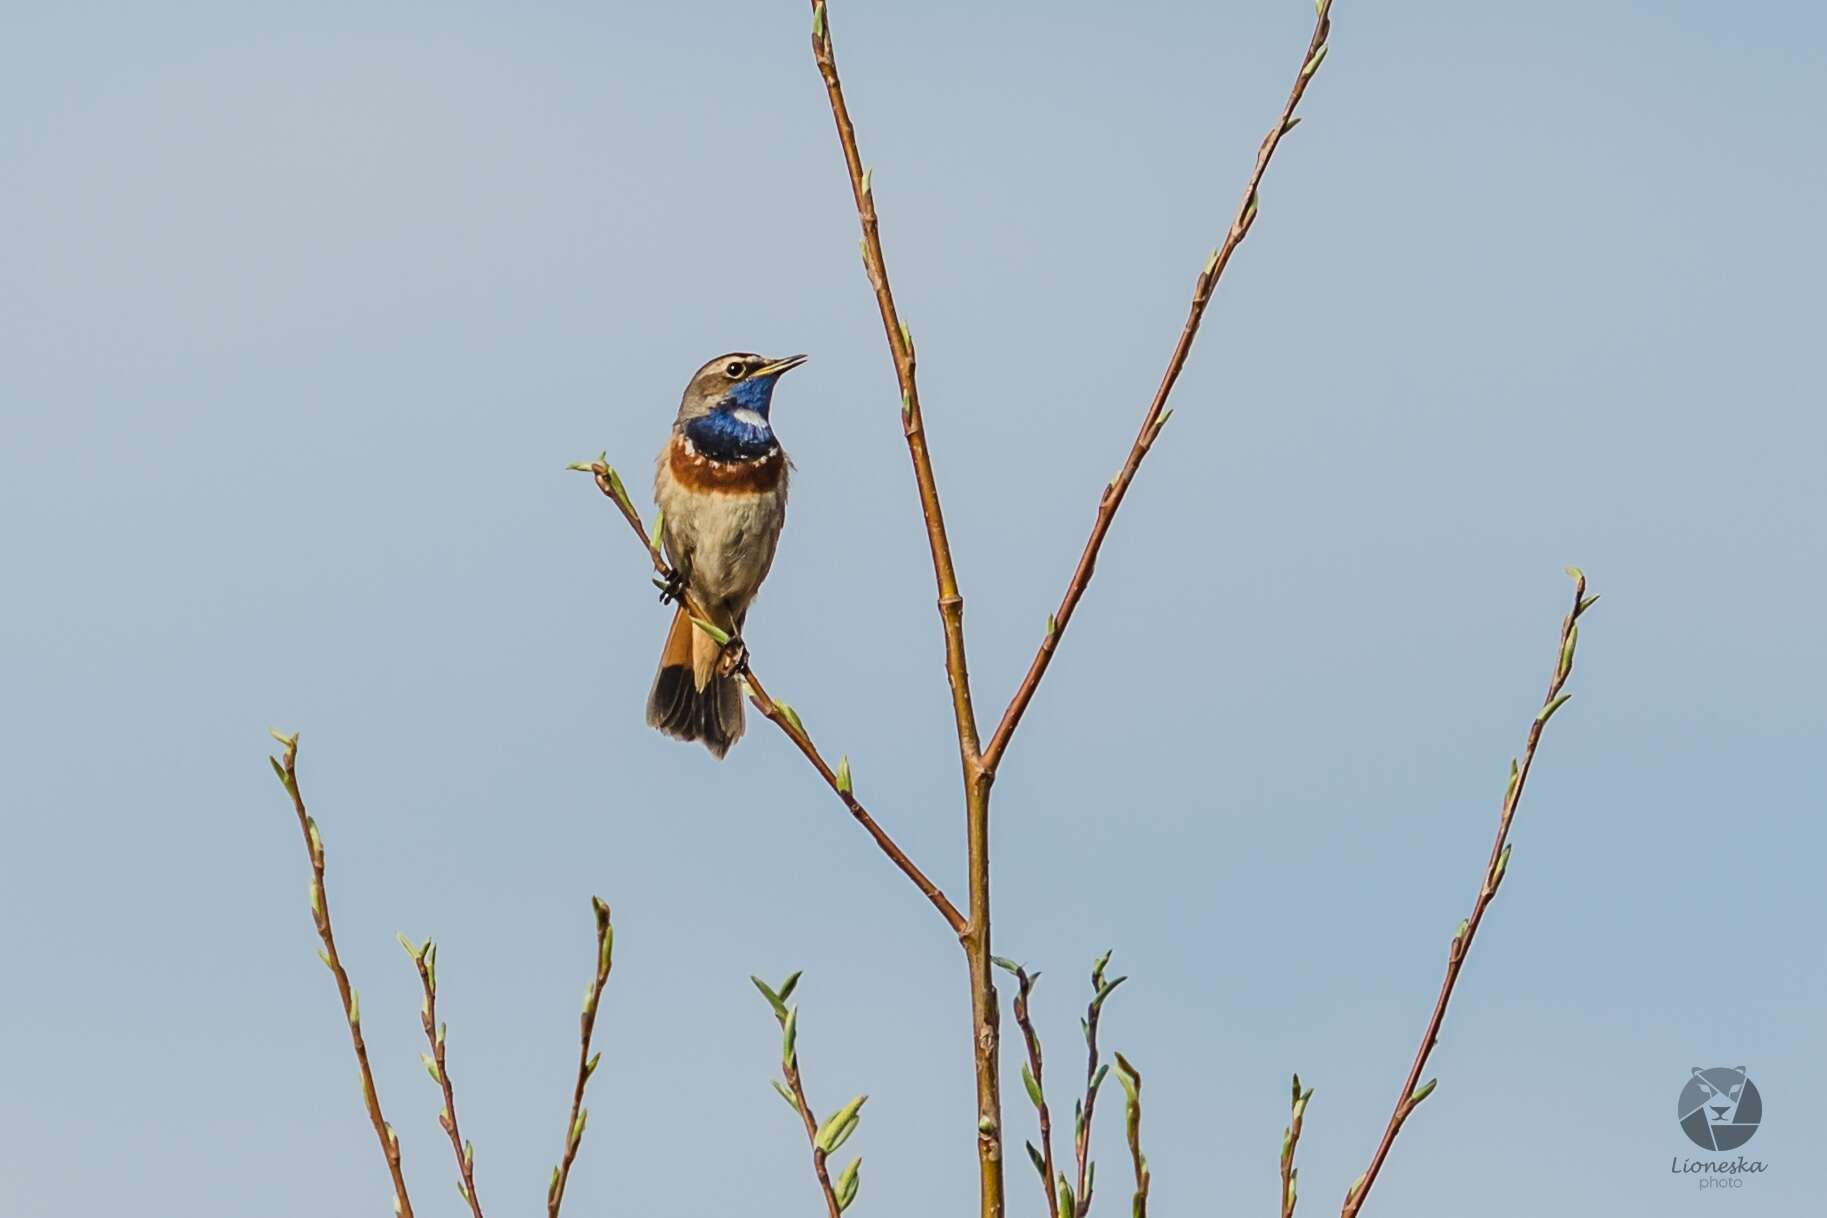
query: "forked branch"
1156, 417
1413, 1090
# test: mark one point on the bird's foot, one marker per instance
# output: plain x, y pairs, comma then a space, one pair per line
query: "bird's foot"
672, 588
735, 658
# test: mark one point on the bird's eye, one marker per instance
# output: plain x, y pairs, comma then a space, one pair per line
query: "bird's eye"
734, 369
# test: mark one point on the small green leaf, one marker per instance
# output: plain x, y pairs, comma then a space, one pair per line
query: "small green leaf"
1547, 711
786, 988
722, 638
791, 716
325, 957
1132, 1081
1040, 1164
1313, 64
1503, 862
355, 1005
780, 1008
1097, 969
552, 1189
1291, 124
1586, 604
818, 23
843, 1134
906, 339
1066, 1204
847, 1182
577, 1126
1575, 573
868, 179
469, 1154
785, 1094
1422, 1092
412, 949
826, 1139
1005, 964
789, 1037
431, 1067
1211, 264
1033, 1085
844, 786
1052, 624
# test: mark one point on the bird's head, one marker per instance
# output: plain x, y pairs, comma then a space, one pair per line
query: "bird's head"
739, 385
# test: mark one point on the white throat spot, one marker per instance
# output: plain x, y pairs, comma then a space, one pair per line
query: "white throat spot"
749, 417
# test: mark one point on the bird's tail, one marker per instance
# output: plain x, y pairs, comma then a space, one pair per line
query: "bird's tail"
689, 701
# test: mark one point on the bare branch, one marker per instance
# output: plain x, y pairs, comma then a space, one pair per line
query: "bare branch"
1156, 417
425, 959
975, 936
286, 767
586, 1063
783, 716
901, 349
1413, 1089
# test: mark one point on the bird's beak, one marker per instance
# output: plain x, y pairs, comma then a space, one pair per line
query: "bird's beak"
780, 365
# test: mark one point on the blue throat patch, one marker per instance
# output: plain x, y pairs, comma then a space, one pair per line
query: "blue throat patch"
721, 436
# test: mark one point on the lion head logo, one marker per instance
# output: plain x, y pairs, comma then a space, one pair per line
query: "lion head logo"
1720, 1108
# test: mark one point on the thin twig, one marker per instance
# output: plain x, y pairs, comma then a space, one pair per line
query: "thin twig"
901, 349
586, 1063
824, 1140
1043, 1157
425, 959
798, 1088
1094, 1079
1413, 1091
1157, 415
1290, 1140
287, 770
1131, 1078
783, 716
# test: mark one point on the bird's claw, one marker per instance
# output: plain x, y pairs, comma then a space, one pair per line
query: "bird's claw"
672, 588
734, 659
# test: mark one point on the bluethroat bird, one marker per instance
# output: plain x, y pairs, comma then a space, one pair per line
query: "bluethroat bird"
722, 489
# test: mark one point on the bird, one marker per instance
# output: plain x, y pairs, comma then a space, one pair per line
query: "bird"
721, 485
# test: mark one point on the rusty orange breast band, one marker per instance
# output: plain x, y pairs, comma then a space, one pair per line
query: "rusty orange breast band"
694, 471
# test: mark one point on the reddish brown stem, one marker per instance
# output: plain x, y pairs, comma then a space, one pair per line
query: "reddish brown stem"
1024, 1020
586, 1064
287, 769
1492, 877
609, 483
425, 959
1156, 416
791, 1069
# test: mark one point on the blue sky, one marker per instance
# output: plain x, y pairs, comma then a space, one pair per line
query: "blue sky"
302, 314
